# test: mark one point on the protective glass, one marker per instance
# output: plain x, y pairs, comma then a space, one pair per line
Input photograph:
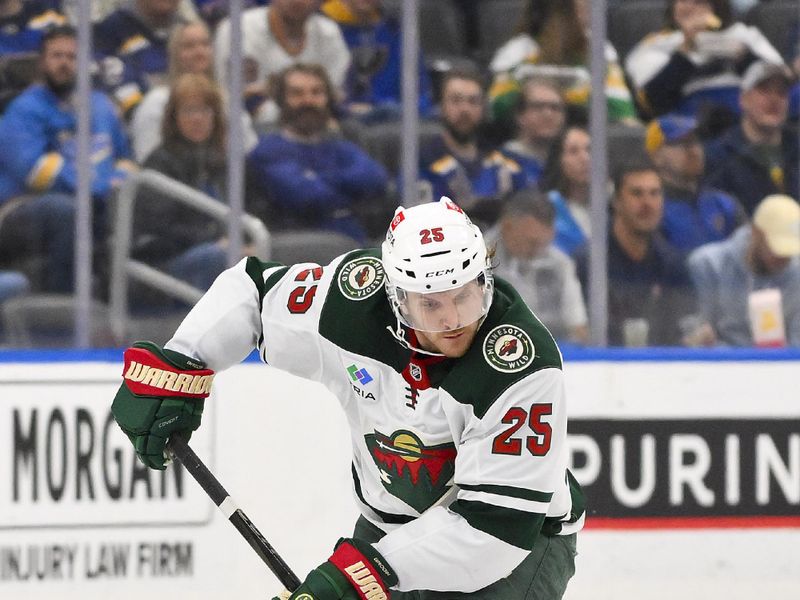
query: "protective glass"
448, 310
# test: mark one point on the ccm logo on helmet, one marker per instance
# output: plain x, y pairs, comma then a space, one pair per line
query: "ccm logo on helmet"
440, 273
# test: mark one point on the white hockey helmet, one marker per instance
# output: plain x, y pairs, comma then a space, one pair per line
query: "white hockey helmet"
438, 276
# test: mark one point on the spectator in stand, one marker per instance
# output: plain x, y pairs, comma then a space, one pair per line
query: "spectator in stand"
373, 88
213, 11
190, 51
694, 214
23, 22
694, 66
540, 115
759, 156
274, 37
100, 9
650, 300
552, 38
311, 177
185, 243
732, 276
38, 172
566, 180
22, 25
542, 274
137, 34
457, 164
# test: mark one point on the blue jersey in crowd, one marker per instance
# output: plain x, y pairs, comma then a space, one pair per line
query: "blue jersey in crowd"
691, 220
375, 74
22, 32
570, 237
316, 184
38, 152
491, 175
142, 50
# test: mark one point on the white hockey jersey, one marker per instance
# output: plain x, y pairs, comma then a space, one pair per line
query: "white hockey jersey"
462, 462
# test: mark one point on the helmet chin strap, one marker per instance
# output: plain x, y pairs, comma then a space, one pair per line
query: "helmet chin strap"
400, 335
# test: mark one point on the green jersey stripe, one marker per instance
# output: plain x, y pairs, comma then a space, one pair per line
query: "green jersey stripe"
507, 490
255, 269
516, 527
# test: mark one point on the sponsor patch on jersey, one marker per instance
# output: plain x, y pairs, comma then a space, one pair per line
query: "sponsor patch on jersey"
508, 348
361, 278
362, 376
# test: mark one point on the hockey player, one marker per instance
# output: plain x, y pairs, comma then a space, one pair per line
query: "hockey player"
454, 395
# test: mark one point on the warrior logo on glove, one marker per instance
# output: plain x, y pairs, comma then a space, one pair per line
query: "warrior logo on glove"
162, 393
159, 378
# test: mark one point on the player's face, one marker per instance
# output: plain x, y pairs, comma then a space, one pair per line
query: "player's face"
453, 344
194, 50
639, 205
446, 321
195, 119
59, 62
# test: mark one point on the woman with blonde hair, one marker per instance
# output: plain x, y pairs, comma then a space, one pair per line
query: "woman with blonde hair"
190, 51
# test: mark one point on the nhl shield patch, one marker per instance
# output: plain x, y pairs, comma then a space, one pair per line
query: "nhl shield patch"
508, 348
361, 278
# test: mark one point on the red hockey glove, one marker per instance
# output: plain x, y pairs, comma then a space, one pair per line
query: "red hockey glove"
355, 571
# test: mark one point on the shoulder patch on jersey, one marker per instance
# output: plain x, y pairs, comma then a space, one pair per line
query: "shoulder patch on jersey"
361, 278
508, 348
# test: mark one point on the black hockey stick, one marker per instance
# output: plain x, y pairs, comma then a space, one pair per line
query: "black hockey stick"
180, 449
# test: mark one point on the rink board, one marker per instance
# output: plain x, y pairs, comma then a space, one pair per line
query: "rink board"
692, 469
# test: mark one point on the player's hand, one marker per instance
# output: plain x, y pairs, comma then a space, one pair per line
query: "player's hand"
355, 571
162, 392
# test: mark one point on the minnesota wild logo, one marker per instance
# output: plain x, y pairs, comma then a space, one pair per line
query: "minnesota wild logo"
508, 348
361, 277
417, 474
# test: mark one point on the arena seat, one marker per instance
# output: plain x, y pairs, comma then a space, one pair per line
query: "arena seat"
629, 22
309, 245
775, 19
497, 20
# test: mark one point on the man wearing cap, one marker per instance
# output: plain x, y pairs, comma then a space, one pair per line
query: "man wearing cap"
731, 277
694, 214
759, 156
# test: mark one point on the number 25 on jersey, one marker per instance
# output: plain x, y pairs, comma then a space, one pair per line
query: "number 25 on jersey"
508, 442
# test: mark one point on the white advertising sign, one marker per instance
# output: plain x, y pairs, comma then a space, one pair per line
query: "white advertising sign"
80, 519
